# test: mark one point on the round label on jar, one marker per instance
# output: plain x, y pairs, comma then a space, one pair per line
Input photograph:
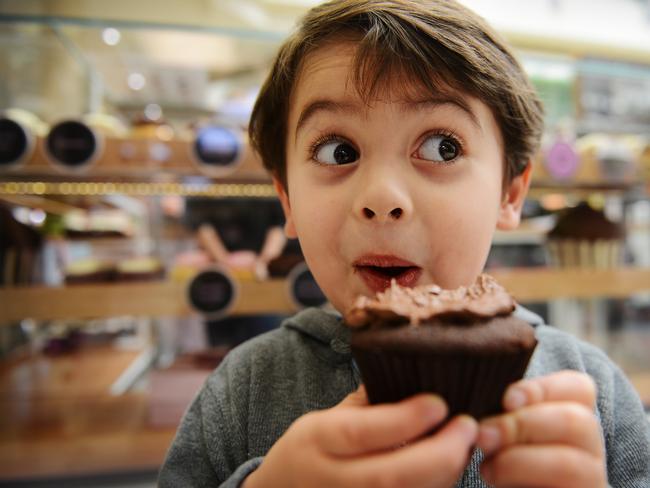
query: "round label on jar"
217, 147
303, 289
212, 293
72, 144
14, 143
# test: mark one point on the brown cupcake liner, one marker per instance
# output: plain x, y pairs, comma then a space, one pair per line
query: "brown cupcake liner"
470, 383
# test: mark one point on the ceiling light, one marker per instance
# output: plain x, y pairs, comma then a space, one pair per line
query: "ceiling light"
111, 36
153, 111
136, 81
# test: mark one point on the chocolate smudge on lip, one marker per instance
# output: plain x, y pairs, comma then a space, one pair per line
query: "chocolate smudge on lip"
398, 305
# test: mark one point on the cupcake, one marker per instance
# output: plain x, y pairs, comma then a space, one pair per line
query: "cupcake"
464, 344
584, 237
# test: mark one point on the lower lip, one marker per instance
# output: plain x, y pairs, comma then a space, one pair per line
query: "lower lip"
379, 282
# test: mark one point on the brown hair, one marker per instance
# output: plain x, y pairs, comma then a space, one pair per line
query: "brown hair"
435, 43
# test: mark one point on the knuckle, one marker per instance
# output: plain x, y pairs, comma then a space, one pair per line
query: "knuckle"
575, 417
305, 427
350, 434
582, 382
418, 409
590, 387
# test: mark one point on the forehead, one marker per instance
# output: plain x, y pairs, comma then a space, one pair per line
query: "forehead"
329, 73
332, 62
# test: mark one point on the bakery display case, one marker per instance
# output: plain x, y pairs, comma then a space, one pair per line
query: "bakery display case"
111, 122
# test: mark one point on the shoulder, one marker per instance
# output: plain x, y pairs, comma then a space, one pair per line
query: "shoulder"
304, 339
558, 350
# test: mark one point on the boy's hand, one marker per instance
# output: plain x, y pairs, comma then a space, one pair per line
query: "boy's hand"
357, 445
549, 436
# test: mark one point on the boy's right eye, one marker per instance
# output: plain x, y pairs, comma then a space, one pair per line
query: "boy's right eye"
335, 152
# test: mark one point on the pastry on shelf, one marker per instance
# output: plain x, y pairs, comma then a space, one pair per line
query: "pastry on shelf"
89, 270
82, 224
585, 237
106, 124
606, 158
140, 269
144, 127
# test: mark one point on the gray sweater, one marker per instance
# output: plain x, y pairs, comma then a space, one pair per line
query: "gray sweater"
265, 384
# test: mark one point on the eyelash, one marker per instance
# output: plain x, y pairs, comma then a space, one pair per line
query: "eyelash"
331, 136
447, 134
321, 141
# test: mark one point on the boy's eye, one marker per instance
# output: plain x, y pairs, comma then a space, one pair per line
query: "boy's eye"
438, 147
336, 152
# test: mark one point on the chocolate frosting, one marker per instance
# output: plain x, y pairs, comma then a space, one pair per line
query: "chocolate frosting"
482, 300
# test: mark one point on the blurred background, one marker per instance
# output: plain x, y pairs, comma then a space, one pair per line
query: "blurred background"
140, 239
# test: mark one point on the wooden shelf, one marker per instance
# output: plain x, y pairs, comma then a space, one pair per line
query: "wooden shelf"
131, 159
542, 284
168, 298
152, 299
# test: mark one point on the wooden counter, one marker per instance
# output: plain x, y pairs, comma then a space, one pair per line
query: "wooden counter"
58, 419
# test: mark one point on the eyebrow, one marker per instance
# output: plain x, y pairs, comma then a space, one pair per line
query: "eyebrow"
337, 107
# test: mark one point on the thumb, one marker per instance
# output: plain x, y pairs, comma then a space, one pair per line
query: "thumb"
357, 398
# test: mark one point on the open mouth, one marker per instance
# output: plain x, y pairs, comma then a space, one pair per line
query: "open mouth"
390, 271
378, 278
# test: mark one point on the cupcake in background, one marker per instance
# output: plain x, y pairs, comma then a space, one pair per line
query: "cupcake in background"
585, 237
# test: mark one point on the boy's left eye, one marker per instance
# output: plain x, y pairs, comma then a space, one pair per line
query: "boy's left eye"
439, 148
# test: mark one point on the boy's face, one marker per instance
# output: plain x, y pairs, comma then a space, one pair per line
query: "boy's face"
391, 189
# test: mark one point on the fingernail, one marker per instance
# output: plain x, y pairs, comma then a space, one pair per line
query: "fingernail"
436, 400
489, 439
469, 427
515, 398
438, 405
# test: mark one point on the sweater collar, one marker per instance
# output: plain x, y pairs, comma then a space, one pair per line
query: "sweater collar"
325, 326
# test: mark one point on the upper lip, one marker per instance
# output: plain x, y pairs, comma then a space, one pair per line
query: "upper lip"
383, 261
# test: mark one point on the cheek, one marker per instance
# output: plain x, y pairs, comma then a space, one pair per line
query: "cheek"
316, 217
461, 234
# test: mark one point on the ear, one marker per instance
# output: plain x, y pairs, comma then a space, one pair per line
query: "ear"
289, 227
513, 200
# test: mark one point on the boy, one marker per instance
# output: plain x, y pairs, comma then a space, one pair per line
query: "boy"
399, 135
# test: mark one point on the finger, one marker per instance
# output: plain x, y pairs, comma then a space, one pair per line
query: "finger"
546, 423
357, 398
359, 430
570, 386
441, 457
544, 466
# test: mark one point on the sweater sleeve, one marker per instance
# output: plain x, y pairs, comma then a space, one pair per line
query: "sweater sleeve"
209, 449
626, 430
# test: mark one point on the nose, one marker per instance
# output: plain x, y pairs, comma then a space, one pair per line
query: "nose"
383, 198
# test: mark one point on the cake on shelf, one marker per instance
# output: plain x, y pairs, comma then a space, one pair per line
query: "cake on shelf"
585, 237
